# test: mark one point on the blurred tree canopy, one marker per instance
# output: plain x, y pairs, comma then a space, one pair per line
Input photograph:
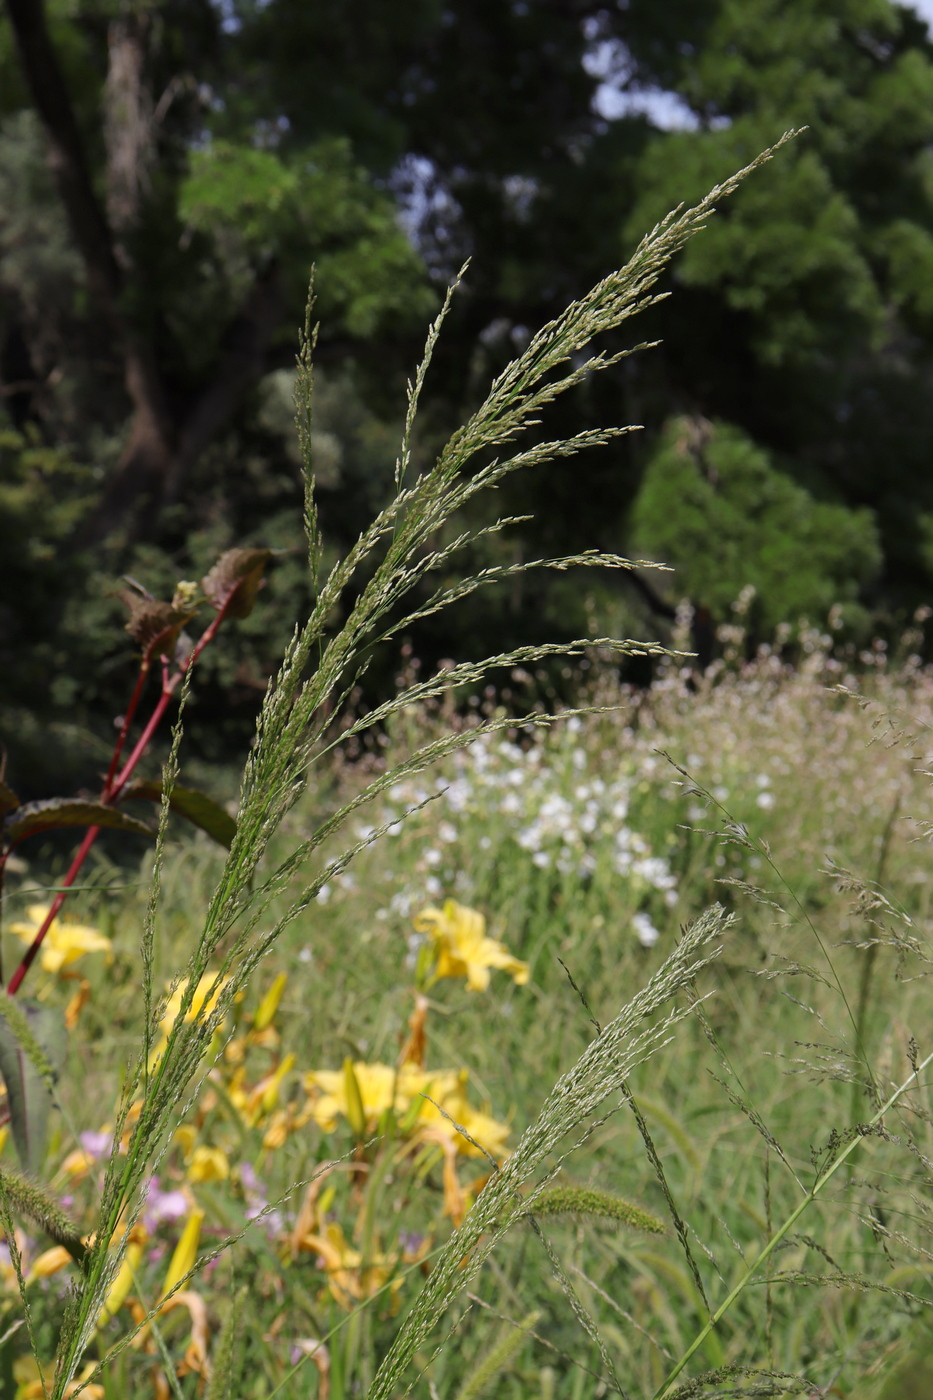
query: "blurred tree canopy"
170, 170
712, 506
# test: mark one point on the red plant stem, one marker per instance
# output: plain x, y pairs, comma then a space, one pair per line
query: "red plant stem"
113, 786
169, 686
142, 743
127, 721
31, 952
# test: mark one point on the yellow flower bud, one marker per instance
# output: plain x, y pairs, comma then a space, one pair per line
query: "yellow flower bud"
270, 1094
185, 1252
356, 1115
270, 1003
123, 1283
50, 1262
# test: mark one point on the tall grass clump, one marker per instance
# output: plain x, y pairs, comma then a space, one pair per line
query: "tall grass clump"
730, 1237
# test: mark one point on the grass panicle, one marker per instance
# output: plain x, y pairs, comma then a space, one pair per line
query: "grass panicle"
383, 569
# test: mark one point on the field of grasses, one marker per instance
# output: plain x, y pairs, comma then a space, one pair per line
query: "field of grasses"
411, 1022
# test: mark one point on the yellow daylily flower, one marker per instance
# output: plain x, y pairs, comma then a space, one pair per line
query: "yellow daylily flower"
64, 941
277, 1130
487, 1132
439, 1084
445, 1088
204, 999
378, 1086
208, 1164
379, 1089
186, 1135
348, 1280
462, 948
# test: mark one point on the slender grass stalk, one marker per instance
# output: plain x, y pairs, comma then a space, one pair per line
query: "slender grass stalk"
866, 978
822, 1181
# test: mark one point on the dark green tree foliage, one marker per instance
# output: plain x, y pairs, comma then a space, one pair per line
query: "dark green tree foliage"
807, 317
152, 281
714, 506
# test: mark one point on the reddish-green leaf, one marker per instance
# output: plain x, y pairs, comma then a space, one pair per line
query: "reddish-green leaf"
195, 806
153, 624
66, 811
235, 580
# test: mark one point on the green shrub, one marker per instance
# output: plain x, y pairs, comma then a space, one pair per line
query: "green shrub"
716, 507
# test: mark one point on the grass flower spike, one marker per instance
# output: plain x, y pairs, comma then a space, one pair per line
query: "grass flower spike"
462, 948
395, 1225
64, 942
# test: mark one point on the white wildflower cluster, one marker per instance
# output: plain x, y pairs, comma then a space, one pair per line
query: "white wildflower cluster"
543, 796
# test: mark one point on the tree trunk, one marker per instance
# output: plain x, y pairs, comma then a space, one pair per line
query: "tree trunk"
165, 439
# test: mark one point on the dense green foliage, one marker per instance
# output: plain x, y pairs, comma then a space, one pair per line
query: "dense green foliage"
713, 506
230, 147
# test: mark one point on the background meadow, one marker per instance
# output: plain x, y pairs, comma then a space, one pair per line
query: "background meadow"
585, 849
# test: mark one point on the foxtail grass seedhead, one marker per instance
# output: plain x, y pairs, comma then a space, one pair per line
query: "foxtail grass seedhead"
28, 1198
582, 1201
495, 1360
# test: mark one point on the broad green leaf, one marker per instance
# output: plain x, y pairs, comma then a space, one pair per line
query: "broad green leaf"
66, 811
235, 580
8, 799
190, 803
32, 1050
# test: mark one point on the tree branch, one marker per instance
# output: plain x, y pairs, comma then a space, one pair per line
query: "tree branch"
66, 152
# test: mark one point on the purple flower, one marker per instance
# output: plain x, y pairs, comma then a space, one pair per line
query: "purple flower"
252, 1186
96, 1145
163, 1205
